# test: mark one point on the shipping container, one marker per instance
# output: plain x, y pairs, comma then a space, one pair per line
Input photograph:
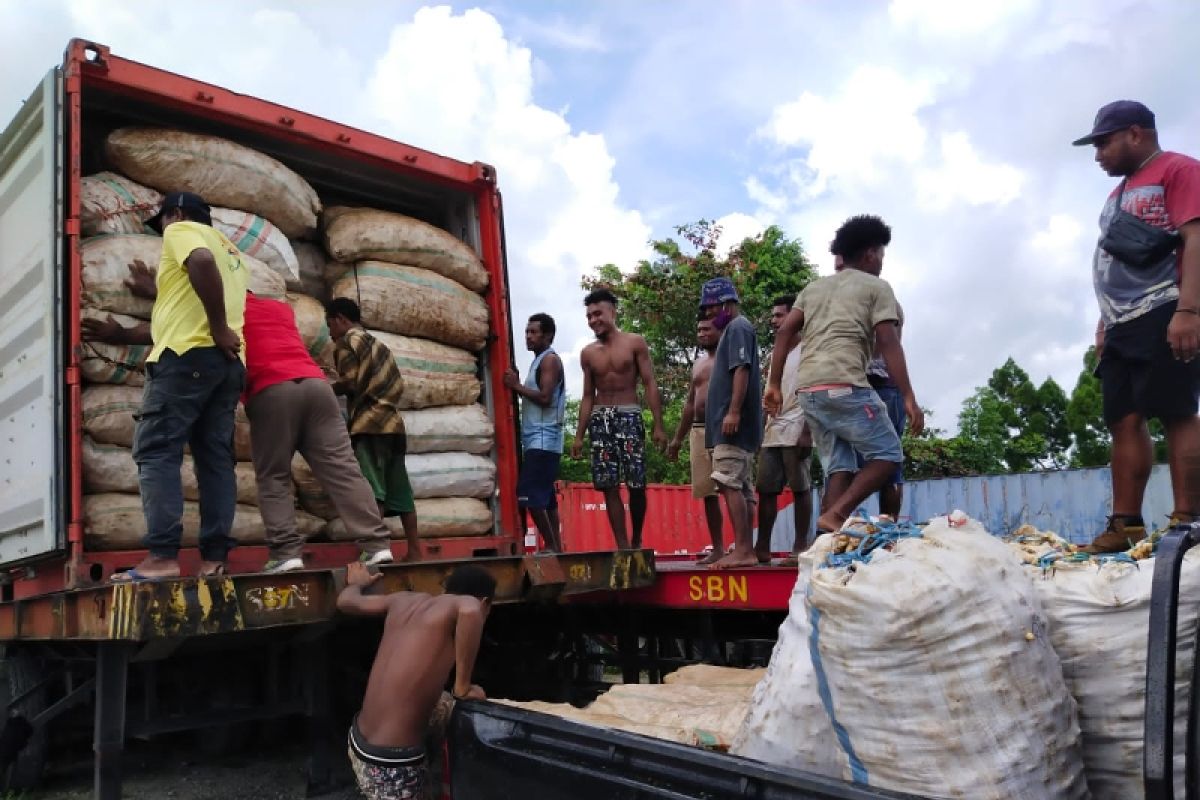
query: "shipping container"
57, 138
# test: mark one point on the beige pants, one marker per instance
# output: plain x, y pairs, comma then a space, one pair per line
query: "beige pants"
700, 461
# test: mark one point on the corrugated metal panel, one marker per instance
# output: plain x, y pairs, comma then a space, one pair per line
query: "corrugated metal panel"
1073, 503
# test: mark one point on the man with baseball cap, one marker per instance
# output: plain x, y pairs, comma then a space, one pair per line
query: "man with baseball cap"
1146, 272
733, 414
194, 375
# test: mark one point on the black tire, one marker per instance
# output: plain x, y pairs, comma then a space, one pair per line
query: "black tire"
22, 670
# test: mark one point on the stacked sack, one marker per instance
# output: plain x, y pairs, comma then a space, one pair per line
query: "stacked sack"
418, 289
930, 661
1099, 610
113, 205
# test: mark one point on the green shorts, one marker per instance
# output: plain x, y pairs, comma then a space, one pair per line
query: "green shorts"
381, 458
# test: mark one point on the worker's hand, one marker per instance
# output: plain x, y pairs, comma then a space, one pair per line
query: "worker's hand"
1099, 342
141, 280
915, 414
733, 419
107, 330
577, 448
511, 379
772, 400
358, 575
673, 450
475, 692
227, 341
659, 436
1183, 334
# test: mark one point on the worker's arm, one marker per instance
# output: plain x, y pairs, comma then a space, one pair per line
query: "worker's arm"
686, 418
786, 339
351, 600
887, 342
1183, 333
585, 405
347, 364
548, 377
113, 332
733, 417
653, 398
468, 630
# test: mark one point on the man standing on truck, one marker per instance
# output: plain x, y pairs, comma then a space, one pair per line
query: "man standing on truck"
1146, 271
842, 317
543, 407
733, 415
425, 638
369, 377
691, 424
194, 375
786, 453
610, 414
292, 409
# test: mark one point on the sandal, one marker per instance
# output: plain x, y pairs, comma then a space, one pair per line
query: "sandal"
217, 570
133, 576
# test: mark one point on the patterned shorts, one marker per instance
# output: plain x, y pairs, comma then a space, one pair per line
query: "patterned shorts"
388, 773
618, 447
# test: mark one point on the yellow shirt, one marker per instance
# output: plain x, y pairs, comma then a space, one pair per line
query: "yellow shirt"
179, 322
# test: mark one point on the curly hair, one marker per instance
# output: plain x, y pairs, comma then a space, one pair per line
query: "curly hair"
601, 295
858, 235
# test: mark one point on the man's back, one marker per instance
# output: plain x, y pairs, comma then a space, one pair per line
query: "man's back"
840, 315
369, 372
414, 660
275, 351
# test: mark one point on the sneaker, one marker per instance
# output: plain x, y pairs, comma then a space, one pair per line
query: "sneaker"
1118, 537
275, 566
375, 559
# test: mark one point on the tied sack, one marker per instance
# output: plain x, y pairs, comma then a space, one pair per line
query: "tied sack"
465, 429
451, 475
786, 724
434, 374
110, 203
257, 237
111, 468
101, 362
936, 670
437, 518
222, 172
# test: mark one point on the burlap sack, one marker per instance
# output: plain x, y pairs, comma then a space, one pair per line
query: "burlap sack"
434, 374
465, 429
110, 468
113, 363
310, 320
451, 475
108, 417
416, 302
222, 172
111, 203
105, 268
436, 518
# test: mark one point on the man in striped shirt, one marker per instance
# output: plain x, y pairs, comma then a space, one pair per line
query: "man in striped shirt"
373, 385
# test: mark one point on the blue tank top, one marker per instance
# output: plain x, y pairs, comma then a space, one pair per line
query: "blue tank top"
542, 427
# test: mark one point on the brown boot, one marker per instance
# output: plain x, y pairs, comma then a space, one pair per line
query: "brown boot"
1182, 518
1117, 537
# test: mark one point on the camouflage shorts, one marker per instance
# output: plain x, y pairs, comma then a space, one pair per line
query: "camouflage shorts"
618, 438
381, 777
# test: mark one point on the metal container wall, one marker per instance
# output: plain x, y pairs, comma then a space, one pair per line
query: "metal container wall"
1073, 503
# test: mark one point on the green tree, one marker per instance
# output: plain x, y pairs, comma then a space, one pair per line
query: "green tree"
934, 455
1023, 427
1085, 418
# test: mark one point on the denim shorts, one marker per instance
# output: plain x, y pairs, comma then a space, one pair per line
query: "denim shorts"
848, 422
894, 402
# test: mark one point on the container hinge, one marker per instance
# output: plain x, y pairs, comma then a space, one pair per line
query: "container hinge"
72, 376
71, 226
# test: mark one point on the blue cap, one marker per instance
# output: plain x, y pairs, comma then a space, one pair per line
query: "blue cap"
717, 291
1118, 116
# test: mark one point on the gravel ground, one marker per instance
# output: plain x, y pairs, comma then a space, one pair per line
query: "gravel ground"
164, 772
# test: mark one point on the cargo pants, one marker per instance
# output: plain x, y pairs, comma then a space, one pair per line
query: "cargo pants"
189, 400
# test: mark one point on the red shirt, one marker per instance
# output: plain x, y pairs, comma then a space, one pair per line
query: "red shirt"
274, 350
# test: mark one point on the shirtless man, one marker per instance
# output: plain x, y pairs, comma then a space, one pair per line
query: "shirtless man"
610, 414
424, 638
691, 425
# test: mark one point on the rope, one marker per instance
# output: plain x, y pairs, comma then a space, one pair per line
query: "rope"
881, 534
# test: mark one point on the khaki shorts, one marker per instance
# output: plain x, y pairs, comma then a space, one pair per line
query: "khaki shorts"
733, 468
701, 464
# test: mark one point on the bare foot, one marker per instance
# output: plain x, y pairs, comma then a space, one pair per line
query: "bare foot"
736, 559
830, 522
150, 568
711, 558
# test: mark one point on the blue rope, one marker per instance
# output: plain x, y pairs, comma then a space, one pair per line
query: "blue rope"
885, 535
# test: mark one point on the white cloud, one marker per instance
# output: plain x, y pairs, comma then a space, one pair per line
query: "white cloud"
736, 228
953, 18
1059, 237
963, 177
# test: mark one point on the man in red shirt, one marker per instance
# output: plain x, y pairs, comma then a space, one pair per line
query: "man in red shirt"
1146, 271
291, 408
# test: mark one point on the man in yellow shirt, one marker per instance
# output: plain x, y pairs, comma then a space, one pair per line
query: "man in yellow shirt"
194, 375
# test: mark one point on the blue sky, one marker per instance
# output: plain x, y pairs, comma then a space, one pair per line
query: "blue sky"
611, 122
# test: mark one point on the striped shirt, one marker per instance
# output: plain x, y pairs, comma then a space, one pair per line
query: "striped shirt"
368, 371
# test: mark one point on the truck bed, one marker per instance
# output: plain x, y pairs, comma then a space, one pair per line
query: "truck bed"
504, 753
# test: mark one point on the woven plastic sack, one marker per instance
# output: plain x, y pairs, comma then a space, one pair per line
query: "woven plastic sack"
935, 667
359, 234
105, 260
434, 374
465, 429
416, 302
311, 261
110, 468
222, 172
113, 363
108, 413
310, 321
786, 722
1098, 616
257, 237
437, 517
111, 203
451, 475
116, 522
